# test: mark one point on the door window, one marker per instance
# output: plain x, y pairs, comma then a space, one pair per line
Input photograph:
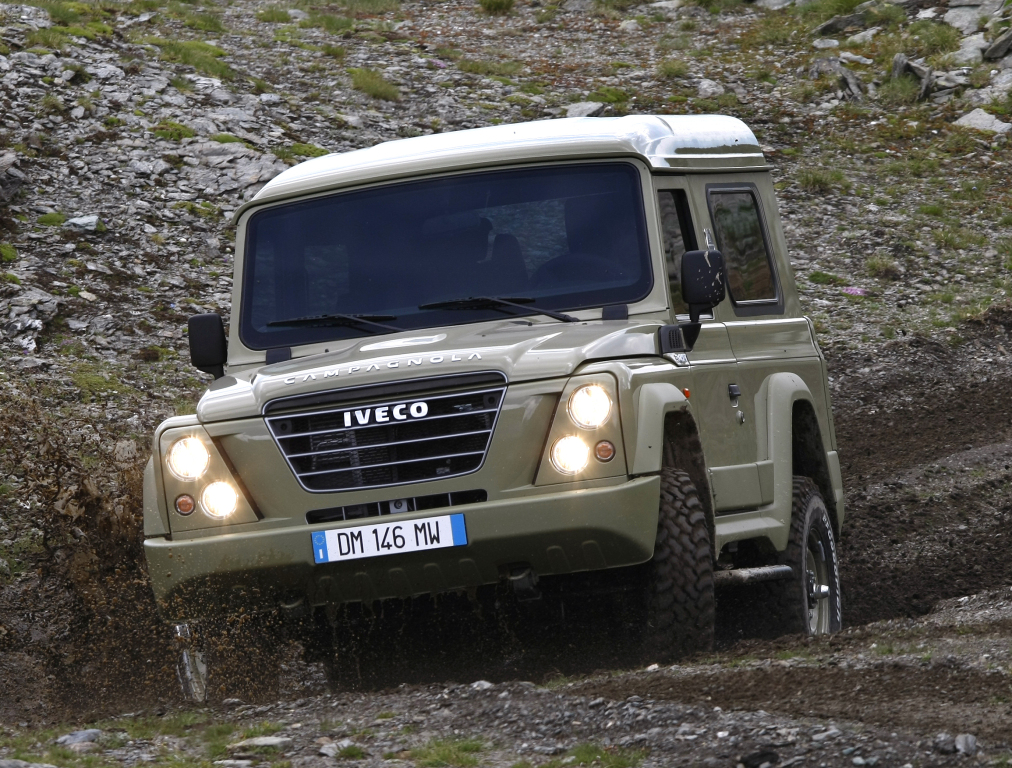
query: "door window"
679, 237
739, 232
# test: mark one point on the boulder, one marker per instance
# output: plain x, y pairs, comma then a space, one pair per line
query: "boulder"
983, 121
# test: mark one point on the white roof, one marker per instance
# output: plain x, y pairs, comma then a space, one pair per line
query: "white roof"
665, 141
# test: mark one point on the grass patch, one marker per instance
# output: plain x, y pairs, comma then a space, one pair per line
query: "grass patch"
52, 38
10, 277
205, 22
275, 15
261, 729
672, 68
440, 753
900, 91
51, 219
351, 752
226, 138
308, 150
168, 129
882, 266
933, 38
931, 210
334, 51
609, 95
372, 83
489, 68
195, 53
826, 278
496, 7
596, 755
820, 181
8, 253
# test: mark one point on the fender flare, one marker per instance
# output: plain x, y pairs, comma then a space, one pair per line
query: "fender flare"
653, 403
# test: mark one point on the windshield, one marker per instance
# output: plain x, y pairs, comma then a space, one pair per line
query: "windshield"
560, 238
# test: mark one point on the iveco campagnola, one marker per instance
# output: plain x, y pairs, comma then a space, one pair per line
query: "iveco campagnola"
509, 354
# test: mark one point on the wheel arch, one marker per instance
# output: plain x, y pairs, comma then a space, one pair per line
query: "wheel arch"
809, 457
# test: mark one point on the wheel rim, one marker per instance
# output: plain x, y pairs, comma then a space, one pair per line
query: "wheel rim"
817, 586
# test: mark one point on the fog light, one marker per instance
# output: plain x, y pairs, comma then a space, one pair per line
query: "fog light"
570, 455
605, 450
219, 499
185, 504
590, 406
188, 458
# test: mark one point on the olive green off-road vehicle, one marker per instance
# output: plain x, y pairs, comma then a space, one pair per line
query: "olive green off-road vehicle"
513, 355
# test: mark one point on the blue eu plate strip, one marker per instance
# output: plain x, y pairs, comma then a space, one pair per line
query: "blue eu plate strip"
459, 531
320, 546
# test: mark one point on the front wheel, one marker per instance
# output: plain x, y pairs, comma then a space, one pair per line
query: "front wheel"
679, 588
809, 602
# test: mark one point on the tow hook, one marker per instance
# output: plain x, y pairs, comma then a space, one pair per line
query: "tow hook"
524, 582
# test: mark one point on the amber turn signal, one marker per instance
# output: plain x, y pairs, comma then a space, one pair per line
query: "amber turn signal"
686, 392
604, 450
185, 504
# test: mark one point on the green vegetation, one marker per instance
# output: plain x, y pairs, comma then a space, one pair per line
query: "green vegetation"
820, 181
446, 753
10, 277
195, 53
900, 91
226, 138
51, 219
934, 37
882, 266
275, 14
52, 38
329, 22
351, 752
167, 129
8, 253
595, 755
825, 278
372, 83
205, 22
672, 68
609, 95
51, 104
308, 150
496, 7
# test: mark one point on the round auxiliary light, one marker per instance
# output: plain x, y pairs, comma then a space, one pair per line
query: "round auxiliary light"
185, 504
590, 406
604, 450
570, 455
219, 500
188, 458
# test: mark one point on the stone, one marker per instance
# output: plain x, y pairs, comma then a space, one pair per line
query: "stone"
774, 5
710, 89
853, 58
825, 43
22, 764
863, 38
270, 98
668, 5
966, 744
79, 737
927, 13
838, 24
971, 50
83, 747
983, 121
261, 741
482, 685
296, 15
629, 25
578, 5
1001, 46
87, 223
585, 109
964, 18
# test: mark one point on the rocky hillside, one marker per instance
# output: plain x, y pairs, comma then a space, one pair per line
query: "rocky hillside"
129, 132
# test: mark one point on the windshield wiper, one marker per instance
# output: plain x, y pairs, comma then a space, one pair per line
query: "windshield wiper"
497, 302
323, 321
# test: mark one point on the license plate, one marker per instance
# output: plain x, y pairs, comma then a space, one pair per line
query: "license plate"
389, 538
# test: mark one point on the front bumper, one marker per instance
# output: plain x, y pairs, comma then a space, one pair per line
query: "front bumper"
555, 533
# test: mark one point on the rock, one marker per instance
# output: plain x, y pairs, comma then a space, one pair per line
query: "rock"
79, 737
757, 759
270, 98
832, 67
88, 223
88, 296
966, 744
863, 38
296, 15
22, 764
667, 5
482, 685
83, 747
838, 24
853, 58
774, 5
1001, 46
945, 744
983, 121
578, 5
965, 19
710, 89
971, 51
261, 741
335, 748
629, 25
824, 43
927, 13
585, 109
832, 733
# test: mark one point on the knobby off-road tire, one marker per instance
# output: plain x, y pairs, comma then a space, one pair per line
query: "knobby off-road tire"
809, 602
679, 590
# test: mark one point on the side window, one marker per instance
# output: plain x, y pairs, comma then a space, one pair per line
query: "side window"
740, 238
679, 237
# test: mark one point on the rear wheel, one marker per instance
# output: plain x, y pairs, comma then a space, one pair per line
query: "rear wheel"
679, 579
809, 602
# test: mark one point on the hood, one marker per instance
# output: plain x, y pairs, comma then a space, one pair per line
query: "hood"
521, 349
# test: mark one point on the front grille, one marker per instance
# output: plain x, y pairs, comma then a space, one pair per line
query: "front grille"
375, 443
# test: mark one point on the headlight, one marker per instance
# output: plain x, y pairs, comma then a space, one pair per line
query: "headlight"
219, 499
188, 458
570, 455
590, 406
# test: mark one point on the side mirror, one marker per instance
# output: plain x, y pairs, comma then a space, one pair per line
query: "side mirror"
208, 347
702, 281
702, 290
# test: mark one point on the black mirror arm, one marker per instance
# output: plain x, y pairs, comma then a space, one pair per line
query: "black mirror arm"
218, 371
